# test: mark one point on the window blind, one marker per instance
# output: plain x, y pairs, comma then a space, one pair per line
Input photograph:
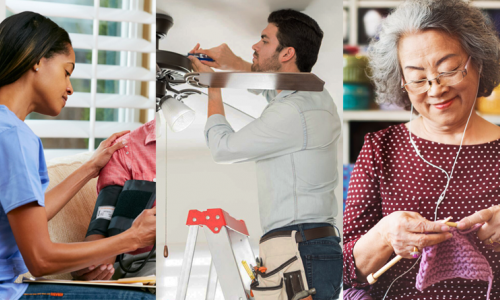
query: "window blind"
114, 42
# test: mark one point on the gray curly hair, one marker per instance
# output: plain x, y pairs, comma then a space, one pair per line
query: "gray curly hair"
469, 25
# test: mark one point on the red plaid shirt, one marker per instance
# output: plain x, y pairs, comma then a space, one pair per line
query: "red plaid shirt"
136, 161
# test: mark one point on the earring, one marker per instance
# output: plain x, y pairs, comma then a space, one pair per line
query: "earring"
36, 69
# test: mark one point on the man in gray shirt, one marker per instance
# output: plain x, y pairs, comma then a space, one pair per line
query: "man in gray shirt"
293, 142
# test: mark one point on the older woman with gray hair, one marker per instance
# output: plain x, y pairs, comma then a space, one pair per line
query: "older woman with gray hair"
434, 58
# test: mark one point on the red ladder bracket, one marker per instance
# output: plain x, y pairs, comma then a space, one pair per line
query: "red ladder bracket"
214, 219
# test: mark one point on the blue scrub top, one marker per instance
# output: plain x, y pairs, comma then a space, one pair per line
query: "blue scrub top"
23, 179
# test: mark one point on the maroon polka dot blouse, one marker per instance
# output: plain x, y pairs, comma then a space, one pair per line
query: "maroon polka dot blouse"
389, 176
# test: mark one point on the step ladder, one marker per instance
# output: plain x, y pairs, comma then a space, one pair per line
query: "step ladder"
229, 245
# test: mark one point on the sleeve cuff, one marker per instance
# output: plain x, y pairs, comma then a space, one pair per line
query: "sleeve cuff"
350, 276
24, 202
215, 120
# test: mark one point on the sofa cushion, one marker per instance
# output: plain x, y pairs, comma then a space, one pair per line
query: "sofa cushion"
71, 223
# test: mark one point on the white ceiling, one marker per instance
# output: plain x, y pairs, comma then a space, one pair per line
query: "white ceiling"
239, 24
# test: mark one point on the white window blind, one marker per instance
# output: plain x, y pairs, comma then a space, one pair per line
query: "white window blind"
114, 42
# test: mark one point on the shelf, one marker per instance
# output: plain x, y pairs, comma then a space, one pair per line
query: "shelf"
495, 119
394, 116
111, 43
77, 129
486, 4
354, 5
108, 72
379, 4
111, 101
80, 11
375, 115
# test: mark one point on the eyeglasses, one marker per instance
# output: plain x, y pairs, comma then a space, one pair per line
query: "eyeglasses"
445, 79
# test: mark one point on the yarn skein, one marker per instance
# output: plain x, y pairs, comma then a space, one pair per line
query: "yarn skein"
456, 257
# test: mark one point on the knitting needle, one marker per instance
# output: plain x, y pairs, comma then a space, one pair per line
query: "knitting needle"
372, 278
451, 224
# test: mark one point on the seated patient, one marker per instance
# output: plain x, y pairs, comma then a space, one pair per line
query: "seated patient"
136, 161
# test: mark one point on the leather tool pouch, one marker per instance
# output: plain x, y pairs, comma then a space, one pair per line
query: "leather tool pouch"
285, 275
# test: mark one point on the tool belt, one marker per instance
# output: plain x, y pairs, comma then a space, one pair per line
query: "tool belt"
280, 275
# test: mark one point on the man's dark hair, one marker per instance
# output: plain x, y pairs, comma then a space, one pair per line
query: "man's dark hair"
299, 31
25, 38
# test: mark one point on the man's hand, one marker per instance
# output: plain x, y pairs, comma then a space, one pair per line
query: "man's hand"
224, 58
104, 152
489, 233
198, 66
102, 272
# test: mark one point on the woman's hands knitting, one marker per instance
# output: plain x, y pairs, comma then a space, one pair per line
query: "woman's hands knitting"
403, 230
489, 233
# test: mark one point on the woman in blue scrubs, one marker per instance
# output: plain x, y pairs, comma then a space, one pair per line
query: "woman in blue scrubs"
36, 62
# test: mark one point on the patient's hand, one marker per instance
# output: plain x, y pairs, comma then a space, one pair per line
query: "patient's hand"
101, 272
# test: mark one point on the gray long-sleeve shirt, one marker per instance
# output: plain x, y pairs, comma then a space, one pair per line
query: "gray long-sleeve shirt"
294, 145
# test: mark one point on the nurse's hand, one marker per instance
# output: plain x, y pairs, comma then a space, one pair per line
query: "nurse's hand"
143, 229
104, 152
403, 230
489, 233
101, 272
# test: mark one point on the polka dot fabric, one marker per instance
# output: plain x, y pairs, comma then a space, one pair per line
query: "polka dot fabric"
389, 176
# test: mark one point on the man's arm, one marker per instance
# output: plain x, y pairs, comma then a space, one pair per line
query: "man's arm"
215, 104
278, 131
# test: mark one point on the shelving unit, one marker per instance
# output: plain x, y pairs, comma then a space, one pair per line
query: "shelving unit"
354, 5
402, 116
349, 116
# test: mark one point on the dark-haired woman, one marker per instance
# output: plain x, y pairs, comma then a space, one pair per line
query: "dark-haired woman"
36, 62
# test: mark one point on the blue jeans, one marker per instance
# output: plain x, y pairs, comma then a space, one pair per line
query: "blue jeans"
322, 259
82, 292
